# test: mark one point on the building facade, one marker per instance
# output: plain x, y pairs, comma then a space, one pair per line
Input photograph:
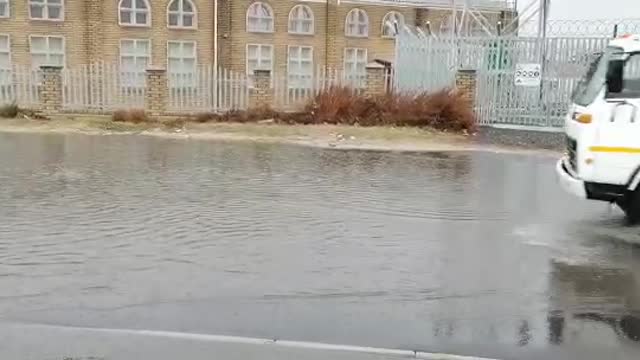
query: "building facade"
295, 36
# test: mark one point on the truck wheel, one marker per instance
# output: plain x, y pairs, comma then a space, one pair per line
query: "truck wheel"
630, 204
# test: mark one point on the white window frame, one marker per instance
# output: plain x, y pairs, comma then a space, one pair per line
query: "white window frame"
8, 7
299, 75
45, 10
181, 13
361, 77
48, 37
5, 73
250, 74
300, 20
8, 50
389, 17
135, 83
134, 10
272, 17
357, 23
183, 83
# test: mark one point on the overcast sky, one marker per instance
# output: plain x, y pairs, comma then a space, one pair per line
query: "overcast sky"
591, 9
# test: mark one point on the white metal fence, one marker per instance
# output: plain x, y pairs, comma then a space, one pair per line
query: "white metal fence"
427, 64
104, 87
101, 87
19, 85
208, 89
292, 92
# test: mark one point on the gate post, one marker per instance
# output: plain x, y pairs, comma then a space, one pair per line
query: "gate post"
262, 96
466, 84
375, 80
50, 91
155, 95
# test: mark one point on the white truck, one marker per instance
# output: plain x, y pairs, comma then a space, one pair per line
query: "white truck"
602, 129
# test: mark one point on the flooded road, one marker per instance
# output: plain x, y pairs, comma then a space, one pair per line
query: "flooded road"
466, 253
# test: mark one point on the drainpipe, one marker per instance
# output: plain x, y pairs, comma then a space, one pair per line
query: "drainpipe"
215, 35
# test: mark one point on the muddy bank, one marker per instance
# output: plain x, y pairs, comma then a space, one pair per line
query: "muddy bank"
325, 136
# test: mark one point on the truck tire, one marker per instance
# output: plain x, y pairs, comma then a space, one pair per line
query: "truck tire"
630, 204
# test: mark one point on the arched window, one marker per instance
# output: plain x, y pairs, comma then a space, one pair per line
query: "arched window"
301, 20
260, 18
391, 24
182, 14
357, 24
134, 13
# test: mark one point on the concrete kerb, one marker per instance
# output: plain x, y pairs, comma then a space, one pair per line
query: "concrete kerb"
269, 343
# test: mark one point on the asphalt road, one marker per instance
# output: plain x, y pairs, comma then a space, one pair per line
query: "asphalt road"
477, 254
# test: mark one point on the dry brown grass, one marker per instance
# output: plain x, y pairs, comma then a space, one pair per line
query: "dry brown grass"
135, 116
443, 110
9, 111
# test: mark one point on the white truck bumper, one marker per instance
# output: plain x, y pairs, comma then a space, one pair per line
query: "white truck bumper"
569, 183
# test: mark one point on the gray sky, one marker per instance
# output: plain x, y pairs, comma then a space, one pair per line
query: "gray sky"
591, 9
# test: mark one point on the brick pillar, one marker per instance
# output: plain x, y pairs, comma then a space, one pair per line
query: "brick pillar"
262, 95
333, 35
466, 84
156, 93
375, 81
50, 90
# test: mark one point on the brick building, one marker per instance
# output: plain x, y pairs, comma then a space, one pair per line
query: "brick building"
279, 35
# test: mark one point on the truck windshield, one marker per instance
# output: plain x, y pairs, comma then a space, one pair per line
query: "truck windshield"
594, 80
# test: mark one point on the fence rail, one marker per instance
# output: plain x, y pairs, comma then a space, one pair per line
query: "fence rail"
208, 89
19, 85
104, 87
101, 87
291, 92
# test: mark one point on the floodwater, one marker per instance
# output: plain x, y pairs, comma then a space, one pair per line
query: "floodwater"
467, 253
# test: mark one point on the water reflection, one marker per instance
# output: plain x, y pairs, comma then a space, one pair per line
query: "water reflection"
443, 252
595, 293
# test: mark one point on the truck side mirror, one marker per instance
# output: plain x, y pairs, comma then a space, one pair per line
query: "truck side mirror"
614, 76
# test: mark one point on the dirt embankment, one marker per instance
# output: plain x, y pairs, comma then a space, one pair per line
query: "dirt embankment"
327, 136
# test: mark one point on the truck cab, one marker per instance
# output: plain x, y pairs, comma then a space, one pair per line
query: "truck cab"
602, 127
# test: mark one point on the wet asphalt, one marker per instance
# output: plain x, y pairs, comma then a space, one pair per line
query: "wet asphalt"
466, 253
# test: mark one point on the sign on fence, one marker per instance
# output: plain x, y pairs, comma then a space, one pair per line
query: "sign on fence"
528, 75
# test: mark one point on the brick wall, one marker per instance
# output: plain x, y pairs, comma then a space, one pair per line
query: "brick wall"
19, 27
92, 32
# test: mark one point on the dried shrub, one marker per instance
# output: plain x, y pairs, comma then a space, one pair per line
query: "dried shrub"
443, 110
206, 117
9, 110
135, 116
176, 123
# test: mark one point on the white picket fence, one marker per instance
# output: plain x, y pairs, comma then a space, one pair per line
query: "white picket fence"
19, 85
104, 87
208, 89
101, 87
292, 92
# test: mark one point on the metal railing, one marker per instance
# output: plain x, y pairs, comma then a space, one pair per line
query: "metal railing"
19, 85
208, 89
426, 63
293, 92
